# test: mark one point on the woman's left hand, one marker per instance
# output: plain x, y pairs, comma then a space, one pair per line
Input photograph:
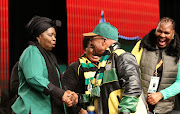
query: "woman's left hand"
154, 98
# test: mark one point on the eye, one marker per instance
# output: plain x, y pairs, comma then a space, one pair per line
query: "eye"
166, 32
159, 31
50, 35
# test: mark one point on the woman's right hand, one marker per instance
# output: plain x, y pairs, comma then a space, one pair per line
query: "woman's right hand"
154, 98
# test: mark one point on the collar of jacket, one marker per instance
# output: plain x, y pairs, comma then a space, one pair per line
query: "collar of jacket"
149, 42
111, 48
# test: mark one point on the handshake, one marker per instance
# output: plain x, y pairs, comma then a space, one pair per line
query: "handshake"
70, 98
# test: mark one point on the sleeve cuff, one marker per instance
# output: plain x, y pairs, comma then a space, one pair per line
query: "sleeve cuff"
54, 90
163, 94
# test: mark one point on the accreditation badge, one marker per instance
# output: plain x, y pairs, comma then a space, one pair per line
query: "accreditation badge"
153, 84
89, 87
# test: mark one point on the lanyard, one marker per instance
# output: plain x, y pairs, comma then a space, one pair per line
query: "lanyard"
157, 66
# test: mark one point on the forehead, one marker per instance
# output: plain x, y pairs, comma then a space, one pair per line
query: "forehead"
49, 30
165, 25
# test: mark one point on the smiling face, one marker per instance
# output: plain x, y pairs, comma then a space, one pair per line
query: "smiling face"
164, 34
89, 53
47, 39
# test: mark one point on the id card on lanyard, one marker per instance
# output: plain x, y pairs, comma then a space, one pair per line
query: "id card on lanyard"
154, 80
153, 84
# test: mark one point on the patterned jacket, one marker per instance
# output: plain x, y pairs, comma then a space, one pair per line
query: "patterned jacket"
121, 86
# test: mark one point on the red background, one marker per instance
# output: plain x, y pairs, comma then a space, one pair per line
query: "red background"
131, 17
4, 44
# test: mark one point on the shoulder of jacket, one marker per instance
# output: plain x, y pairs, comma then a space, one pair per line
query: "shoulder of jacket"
123, 55
32, 48
76, 66
119, 51
73, 64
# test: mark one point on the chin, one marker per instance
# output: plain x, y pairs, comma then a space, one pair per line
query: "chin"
50, 49
161, 46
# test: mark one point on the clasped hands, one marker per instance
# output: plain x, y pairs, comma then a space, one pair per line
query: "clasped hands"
70, 98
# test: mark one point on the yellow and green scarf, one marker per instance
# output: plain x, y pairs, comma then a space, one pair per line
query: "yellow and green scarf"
97, 80
89, 70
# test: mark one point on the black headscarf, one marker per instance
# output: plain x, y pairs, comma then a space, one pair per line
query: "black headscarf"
38, 25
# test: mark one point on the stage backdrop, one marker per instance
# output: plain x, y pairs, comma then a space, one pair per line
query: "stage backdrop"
4, 44
131, 17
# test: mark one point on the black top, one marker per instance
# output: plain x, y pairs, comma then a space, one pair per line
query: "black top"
74, 82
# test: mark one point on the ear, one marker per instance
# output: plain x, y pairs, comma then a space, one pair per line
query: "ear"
38, 39
85, 50
104, 41
173, 32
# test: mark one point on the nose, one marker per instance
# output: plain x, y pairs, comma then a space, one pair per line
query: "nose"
54, 38
162, 35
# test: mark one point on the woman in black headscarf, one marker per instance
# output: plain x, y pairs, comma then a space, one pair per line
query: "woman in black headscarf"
40, 90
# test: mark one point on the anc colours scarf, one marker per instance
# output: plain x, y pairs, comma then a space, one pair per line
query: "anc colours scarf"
89, 70
97, 80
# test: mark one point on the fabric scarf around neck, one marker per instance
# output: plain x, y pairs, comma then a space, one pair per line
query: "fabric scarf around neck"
52, 67
89, 70
97, 80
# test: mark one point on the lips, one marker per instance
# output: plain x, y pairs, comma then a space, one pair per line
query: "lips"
53, 45
95, 57
162, 42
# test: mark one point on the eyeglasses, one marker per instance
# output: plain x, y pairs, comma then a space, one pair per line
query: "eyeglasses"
91, 39
97, 38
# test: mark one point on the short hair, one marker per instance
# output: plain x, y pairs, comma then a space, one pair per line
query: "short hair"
86, 42
166, 20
